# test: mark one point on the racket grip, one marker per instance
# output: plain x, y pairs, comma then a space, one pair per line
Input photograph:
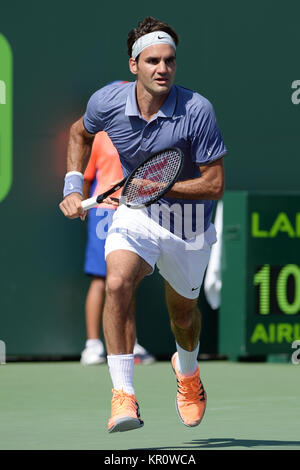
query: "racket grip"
89, 203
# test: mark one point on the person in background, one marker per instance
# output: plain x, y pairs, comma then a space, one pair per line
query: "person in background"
103, 168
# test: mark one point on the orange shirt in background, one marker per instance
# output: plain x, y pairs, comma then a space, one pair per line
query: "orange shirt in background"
104, 164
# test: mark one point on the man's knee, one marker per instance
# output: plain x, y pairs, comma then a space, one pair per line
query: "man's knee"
118, 285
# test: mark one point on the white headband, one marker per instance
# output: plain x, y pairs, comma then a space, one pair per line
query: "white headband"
157, 37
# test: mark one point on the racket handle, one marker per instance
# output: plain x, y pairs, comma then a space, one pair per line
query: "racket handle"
94, 201
89, 203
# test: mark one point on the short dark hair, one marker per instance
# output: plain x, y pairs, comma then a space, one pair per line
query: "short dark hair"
148, 25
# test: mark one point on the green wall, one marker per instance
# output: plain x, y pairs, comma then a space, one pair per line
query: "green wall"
243, 56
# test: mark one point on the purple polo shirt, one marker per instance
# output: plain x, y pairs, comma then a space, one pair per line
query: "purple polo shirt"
185, 120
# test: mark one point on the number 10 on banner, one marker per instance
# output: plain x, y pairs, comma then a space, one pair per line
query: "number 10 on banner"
277, 289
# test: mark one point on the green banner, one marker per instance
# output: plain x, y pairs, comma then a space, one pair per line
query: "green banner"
6, 86
260, 311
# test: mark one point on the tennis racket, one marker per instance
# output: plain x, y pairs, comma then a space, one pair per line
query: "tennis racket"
148, 182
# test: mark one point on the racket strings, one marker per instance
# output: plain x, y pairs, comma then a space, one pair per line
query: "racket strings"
151, 179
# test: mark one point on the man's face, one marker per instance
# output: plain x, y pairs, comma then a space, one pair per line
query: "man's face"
155, 69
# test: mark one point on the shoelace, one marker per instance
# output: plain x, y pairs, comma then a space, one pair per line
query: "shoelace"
190, 389
119, 397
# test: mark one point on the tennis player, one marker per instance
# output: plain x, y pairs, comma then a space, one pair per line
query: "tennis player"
142, 118
103, 168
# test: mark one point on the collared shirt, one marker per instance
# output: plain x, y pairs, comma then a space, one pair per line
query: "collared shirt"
185, 120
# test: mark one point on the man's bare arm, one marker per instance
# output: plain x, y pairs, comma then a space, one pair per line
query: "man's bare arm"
210, 185
79, 151
79, 147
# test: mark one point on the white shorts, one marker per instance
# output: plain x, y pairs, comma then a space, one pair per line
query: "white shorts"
181, 263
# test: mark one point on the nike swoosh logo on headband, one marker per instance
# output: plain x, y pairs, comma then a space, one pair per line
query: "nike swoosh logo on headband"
162, 37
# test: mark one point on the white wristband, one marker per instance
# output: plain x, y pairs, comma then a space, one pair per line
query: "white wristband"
73, 183
74, 173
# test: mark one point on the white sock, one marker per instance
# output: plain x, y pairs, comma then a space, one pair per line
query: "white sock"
93, 342
187, 360
121, 371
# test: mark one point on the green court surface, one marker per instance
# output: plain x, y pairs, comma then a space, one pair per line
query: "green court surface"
64, 405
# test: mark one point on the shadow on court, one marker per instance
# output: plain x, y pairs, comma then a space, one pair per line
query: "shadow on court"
198, 444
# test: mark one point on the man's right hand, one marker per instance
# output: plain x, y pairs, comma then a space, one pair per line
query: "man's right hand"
71, 206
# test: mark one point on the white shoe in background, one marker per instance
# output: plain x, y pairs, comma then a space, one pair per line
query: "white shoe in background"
94, 354
141, 355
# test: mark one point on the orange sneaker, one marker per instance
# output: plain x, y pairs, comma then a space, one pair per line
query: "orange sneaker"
191, 396
125, 413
